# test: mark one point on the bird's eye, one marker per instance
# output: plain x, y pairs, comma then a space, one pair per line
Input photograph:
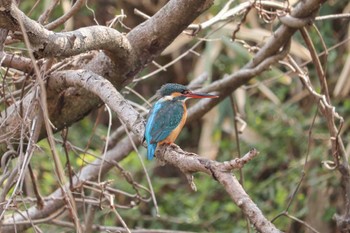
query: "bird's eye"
185, 92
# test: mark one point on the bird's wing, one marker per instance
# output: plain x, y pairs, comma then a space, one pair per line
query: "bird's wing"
164, 117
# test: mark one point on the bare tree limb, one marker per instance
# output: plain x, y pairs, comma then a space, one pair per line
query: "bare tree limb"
77, 5
186, 162
55, 201
46, 43
106, 91
269, 54
68, 106
16, 62
156, 35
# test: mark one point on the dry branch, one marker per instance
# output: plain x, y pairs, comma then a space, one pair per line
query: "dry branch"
139, 48
47, 43
119, 67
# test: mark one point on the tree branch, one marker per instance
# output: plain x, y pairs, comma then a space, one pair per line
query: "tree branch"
46, 43
186, 162
106, 91
145, 48
69, 106
56, 201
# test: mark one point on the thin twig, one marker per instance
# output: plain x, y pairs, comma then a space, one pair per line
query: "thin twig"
302, 222
241, 174
107, 141
64, 135
317, 63
333, 16
44, 16
61, 20
144, 169
303, 172
40, 201
57, 162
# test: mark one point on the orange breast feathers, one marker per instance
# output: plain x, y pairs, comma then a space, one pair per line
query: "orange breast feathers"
173, 135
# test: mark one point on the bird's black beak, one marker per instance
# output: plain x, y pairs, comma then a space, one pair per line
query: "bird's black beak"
199, 95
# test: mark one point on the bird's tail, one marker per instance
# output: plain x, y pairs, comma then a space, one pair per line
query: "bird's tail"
151, 149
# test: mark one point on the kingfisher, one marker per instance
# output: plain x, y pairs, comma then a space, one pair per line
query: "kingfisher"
168, 115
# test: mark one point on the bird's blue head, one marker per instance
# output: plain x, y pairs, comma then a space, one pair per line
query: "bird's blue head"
172, 88
181, 92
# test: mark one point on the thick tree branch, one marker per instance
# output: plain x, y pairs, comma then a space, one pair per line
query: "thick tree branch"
16, 62
69, 106
106, 91
144, 49
190, 163
46, 43
55, 201
186, 162
269, 53
162, 28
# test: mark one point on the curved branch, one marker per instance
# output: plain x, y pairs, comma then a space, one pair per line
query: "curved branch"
266, 56
46, 43
162, 28
69, 106
231, 82
106, 91
82, 40
186, 162
56, 200
190, 163
61, 20
303, 10
16, 62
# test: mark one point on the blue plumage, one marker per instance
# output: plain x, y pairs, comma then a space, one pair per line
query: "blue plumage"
168, 115
151, 149
151, 146
163, 118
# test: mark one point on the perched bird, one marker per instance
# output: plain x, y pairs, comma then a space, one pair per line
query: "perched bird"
168, 115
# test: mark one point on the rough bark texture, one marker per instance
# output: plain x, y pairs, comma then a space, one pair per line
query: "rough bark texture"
74, 93
121, 61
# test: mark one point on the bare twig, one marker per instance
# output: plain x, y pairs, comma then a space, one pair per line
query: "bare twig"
333, 16
338, 150
144, 169
301, 222
44, 108
65, 146
317, 63
303, 174
106, 91
61, 20
107, 141
56, 201
40, 201
145, 50
237, 132
44, 16
46, 43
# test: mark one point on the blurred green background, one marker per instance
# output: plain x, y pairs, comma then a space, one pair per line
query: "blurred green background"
275, 106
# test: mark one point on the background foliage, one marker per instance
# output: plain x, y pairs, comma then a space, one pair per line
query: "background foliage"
277, 110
